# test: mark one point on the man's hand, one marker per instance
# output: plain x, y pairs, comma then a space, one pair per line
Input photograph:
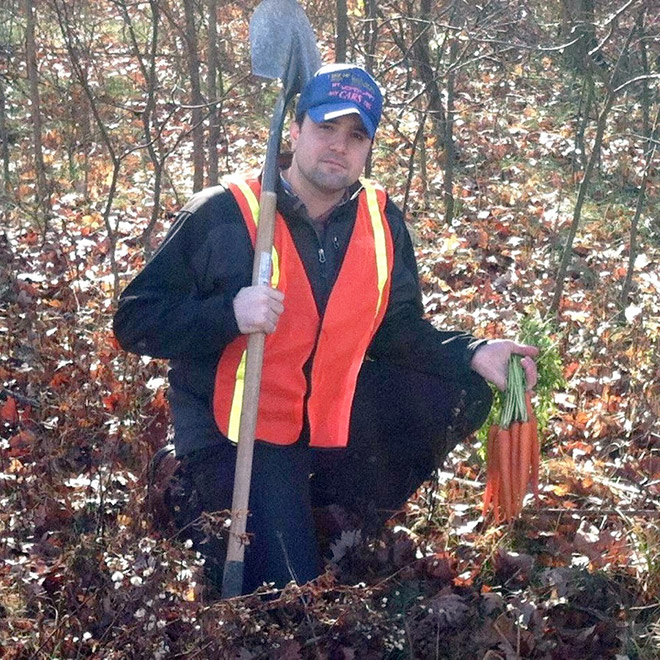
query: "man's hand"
491, 361
258, 308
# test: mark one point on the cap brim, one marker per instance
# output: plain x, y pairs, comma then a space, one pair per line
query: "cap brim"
330, 111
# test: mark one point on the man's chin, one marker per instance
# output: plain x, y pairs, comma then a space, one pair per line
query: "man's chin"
335, 182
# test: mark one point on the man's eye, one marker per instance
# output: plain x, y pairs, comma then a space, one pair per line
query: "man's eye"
359, 135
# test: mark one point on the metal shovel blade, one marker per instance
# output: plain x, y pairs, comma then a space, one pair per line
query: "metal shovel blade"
283, 44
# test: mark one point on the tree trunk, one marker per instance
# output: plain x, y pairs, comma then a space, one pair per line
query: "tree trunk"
646, 92
634, 226
578, 30
195, 95
588, 96
152, 137
594, 157
424, 168
418, 140
82, 114
371, 40
214, 112
582, 194
371, 9
449, 136
149, 122
650, 148
425, 70
4, 138
43, 196
66, 27
341, 36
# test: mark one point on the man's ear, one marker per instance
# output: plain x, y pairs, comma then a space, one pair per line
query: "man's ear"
294, 132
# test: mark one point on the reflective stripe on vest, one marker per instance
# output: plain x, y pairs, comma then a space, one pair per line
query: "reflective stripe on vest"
252, 201
338, 342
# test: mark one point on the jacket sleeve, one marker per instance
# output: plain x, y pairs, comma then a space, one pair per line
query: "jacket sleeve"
405, 337
180, 306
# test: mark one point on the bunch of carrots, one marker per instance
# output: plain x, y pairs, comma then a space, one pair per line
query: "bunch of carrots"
513, 450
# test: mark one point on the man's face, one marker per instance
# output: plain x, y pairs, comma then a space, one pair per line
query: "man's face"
329, 156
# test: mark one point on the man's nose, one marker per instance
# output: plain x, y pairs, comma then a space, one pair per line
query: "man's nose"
339, 142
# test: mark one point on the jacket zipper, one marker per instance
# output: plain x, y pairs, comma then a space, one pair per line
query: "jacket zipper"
310, 360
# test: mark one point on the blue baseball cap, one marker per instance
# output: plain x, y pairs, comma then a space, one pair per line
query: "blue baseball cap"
336, 90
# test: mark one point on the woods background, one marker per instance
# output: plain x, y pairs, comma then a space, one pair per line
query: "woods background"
520, 137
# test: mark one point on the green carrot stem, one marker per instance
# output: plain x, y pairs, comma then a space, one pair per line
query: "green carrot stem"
513, 398
521, 408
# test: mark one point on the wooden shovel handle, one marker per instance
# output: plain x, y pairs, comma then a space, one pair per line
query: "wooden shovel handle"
232, 579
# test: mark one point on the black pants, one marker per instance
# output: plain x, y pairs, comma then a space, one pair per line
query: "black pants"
403, 425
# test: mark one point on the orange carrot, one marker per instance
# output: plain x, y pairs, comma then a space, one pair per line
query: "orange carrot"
497, 501
536, 463
488, 491
503, 447
513, 450
516, 486
535, 458
525, 456
491, 471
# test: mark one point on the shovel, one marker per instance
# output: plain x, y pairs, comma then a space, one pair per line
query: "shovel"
282, 46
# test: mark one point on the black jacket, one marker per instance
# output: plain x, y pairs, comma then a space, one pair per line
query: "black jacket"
180, 306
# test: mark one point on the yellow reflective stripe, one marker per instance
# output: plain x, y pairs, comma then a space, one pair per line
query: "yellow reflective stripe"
233, 427
251, 198
275, 277
380, 243
237, 401
253, 203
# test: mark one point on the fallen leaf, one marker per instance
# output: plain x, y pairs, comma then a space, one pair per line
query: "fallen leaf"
9, 411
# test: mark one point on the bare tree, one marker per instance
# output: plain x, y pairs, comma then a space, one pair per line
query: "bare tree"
75, 50
5, 55
341, 32
4, 137
418, 142
612, 91
371, 35
152, 128
649, 133
577, 31
448, 182
442, 40
43, 194
633, 251
212, 87
422, 31
196, 100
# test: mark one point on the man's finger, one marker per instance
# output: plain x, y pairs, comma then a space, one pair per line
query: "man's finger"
526, 349
531, 372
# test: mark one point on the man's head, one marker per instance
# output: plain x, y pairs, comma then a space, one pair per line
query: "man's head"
336, 118
337, 90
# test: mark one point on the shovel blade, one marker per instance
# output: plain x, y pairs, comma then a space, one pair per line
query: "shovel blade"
283, 44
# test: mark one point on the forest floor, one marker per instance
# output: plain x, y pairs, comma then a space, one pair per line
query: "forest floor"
90, 571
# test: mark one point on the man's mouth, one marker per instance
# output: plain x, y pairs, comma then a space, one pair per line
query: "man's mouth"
334, 163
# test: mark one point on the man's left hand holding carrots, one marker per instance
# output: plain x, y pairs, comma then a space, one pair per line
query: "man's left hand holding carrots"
491, 360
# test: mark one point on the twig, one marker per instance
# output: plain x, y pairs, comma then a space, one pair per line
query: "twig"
23, 400
653, 513
303, 600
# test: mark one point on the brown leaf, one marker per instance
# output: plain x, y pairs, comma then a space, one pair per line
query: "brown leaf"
9, 411
513, 566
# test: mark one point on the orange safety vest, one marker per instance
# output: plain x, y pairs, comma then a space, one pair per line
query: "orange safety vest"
339, 340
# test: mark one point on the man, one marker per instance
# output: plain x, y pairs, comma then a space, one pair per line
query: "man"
361, 398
